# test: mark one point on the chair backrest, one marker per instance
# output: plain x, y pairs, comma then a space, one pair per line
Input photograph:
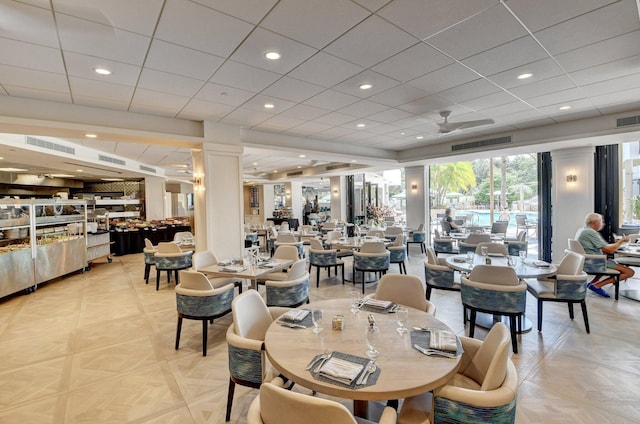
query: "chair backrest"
297, 270
571, 264
575, 246
404, 290
278, 405
392, 231
522, 235
500, 275
376, 233
446, 227
284, 226
306, 228
521, 220
420, 228
203, 258
286, 251
477, 238
488, 367
315, 244
286, 238
499, 227
182, 236
492, 248
399, 241
431, 256
148, 244
372, 247
251, 317
192, 281
168, 247
333, 235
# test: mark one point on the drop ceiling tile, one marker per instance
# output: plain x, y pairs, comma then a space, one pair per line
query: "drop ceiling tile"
325, 70
279, 123
129, 150
372, 5
577, 106
539, 88
234, 74
121, 103
336, 132
257, 103
618, 102
471, 90
444, 78
331, 100
100, 89
371, 42
389, 116
559, 97
248, 10
541, 69
311, 127
363, 108
536, 16
379, 82
506, 109
201, 28
169, 83
34, 79
224, 94
612, 85
34, 93
293, 89
335, 118
432, 103
413, 62
607, 71
489, 101
610, 50
312, 23
305, 112
246, 117
252, 51
150, 101
202, 109
183, 61
399, 95
507, 56
83, 66
27, 23
30, 56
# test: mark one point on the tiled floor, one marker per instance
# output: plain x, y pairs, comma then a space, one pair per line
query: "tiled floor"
98, 347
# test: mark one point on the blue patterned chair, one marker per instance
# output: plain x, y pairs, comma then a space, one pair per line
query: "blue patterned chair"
596, 265
292, 292
438, 275
419, 238
248, 364
149, 253
197, 299
443, 244
288, 239
372, 257
472, 240
321, 258
569, 285
494, 290
169, 258
398, 253
520, 243
483, 391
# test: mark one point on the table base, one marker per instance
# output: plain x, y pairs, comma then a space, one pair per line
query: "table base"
485, 320
369, 277
631, 294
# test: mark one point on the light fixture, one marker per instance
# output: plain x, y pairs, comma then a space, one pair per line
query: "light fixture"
365, 86
353, 161
13, 170
360, 125
572, 177
566, 107
79, 170
403, 133
269, 106
299, 166
525, 75
302, 156
112, 179
255, 163
89, 135
419, 137
335, 191
272, 55
414, 186
102, 71
197, 182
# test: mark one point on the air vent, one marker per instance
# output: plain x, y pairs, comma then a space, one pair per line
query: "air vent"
294, 173
147, 168
624, 122
109, 159
51, 146
339, 166
481, 143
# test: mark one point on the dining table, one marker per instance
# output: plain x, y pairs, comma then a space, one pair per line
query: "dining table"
248, 272
355, 243
524, 268
403, 370
630, 250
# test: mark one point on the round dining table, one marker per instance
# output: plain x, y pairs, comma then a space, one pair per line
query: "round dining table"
404, 371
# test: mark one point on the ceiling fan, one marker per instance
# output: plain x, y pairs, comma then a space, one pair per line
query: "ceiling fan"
447, 127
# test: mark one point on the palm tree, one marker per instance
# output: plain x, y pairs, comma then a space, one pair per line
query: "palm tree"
454, 176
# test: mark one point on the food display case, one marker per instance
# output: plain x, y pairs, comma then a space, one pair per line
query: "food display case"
42, 239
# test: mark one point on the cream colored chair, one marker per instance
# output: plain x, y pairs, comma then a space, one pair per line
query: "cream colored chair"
206, 258
442, 244
372, 257
197, 299
596, 265
404, 290
248, 365
292, 292
276, 405
183, 237
472, 240
149, 253
336, 235
286, 252
288, 239
483, 391
398, 253
375, 233
492, 248
169, 258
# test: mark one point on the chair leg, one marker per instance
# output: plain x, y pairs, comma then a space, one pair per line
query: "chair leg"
616, 283
428, 293
157, 279
147, 270
583, 304
205, 329
472, 323
177, 277
179, 329
514, 339
342, 266
540, 314
168, 276
570, 305
363, 275
232, 387
317, 277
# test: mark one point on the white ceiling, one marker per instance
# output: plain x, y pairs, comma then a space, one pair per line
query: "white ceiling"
203, 60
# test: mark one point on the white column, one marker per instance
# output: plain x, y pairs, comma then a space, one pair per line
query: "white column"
294, 199
267, 200
417, 190
154, 188
571, 201
338, 186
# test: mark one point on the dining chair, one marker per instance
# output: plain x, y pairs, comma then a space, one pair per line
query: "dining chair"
446, 227
568, 285
438, 275
492, 248
596, 265
198, 299
277, 405
288, 239
398, 253
517, 244
418, 237
392, 232
170, 258
183, 236
321, 258
372, 257
443, 244
469, 244
286, 252
149, 253
292, 292
284, 226
494, 290
337, 235
484, 390
404, 290
248, 364
522, 223
206, 258
374, 232
499, 227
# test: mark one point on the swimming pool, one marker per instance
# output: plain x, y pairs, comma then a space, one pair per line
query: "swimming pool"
482, 217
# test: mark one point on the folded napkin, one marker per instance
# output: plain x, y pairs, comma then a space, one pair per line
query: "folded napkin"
341, 370
233, 269
375, 303
459, 260
295, 315
541, 264
443, 340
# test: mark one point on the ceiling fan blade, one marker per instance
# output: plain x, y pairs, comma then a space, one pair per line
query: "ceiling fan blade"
471, 124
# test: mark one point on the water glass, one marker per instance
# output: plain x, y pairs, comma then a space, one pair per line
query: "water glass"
355, 301
372, 338
470, 257
484, 250
402, 315
523, 255
317, 317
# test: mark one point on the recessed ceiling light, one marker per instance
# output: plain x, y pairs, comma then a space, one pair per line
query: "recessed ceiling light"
255, 163
102, 71
302, 156
13, 170
272, 55
62, 175
112, 179
91, 135
269, 106
525, 75
419, 137
1, 158
365, 86
275, 172
565, 107
360, 125
79, 170
299, 166
402, 133
353, 161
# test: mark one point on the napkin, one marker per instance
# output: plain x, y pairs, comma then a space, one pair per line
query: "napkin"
375, 303
295, 315
542, 264
233, 269
443, 340
341, 370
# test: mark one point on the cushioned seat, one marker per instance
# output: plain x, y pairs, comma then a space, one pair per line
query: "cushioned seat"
321, 258
372, 257
404, 290
292, 292
471, 242
518, 244
438, 275
206, 258
443, 244
398, 253
170, 258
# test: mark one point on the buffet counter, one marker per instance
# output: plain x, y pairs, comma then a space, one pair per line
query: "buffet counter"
127, 240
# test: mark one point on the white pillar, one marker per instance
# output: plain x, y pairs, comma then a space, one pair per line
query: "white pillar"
417, 190
154, 188
293, 192
267, 200
571, 201
338, 187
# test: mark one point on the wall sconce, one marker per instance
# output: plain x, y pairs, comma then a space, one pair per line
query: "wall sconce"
335, 191
197, 182
572, 178
414, 186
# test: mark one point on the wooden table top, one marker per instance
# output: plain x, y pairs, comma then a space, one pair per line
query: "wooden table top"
252, 273
404, 371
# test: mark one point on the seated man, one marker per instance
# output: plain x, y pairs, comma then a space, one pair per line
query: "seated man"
447, 217
594, 244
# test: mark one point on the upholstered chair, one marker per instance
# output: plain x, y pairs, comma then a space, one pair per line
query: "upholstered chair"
472, 240
499, 228
169, 258
372, 257
443, 244
206, 258
276, 405
484, 390
518, 244
569, 285
149, 253
374, 232
197, 299
494, 290
404, 290
321, 258
292, 292
392, 232
284, 227
183, 237
288, 239
398, 253
438, 275
596, 265
286, 252
248, 365
492, 248
333, 236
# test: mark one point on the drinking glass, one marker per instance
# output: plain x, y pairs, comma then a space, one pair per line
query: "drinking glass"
470, 257
317, 316
484, 250
355, 301
372, 338
402, 315
523, 255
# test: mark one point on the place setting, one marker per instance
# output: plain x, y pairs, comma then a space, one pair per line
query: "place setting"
436, 342
296, 318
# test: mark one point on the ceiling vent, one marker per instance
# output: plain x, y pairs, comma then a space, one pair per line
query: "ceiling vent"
624, 122
109, 159
147, 168
294, 173
51, 146
338, 166
481, 143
